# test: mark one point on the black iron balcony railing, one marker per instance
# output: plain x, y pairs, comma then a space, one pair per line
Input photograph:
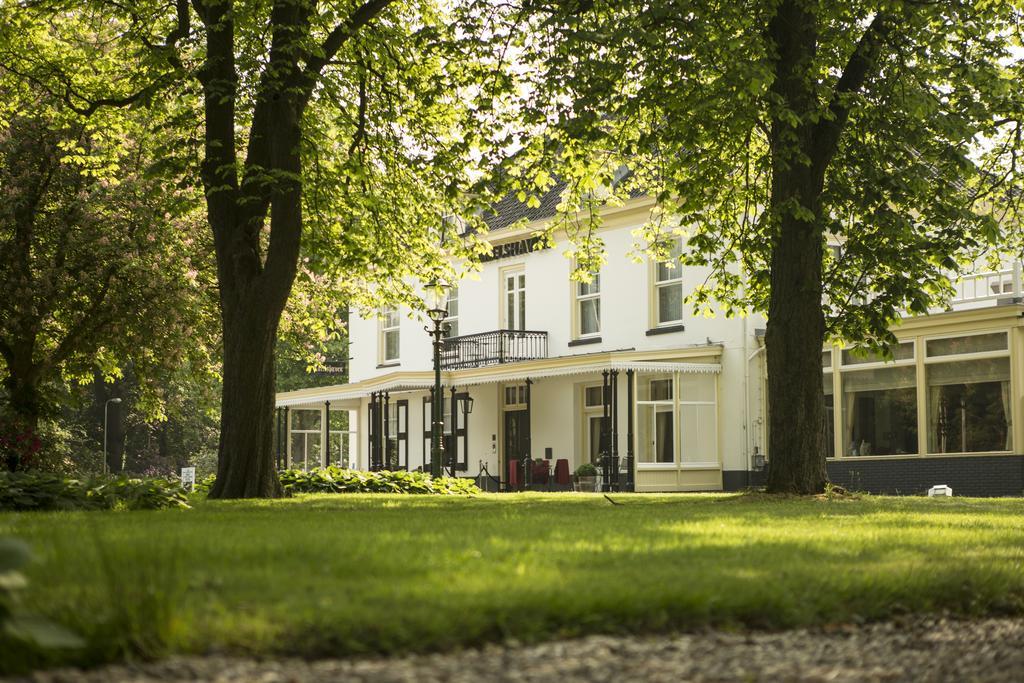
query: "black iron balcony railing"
492, 348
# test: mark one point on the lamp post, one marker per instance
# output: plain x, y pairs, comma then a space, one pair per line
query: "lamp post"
106, 467
437, 310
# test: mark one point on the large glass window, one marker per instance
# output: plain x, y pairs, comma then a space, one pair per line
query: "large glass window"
389, 332
880, 410
668, 287
969, 399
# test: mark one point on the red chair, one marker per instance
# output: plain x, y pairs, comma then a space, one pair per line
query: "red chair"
562, 472
541, 471
513, 474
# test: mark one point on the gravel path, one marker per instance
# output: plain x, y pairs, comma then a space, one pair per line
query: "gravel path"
929, 650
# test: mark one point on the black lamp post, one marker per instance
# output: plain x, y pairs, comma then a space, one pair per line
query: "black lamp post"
437, 310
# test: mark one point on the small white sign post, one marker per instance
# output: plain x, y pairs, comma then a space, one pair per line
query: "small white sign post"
188, 478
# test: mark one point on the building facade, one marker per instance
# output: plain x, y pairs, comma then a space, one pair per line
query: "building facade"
542, 374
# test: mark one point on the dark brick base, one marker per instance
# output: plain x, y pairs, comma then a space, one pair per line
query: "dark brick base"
982, 476
737, 480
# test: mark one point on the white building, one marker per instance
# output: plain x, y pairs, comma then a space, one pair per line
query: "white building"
553, 370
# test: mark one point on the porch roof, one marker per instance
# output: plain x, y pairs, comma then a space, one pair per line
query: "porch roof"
346, 395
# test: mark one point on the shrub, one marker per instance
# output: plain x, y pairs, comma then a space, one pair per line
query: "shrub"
586, 470
19, 445
337, 480
43, 491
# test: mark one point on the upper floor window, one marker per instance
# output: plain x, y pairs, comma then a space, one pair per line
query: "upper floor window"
515, 299
389, 334
588, 307
668, 288
452, 321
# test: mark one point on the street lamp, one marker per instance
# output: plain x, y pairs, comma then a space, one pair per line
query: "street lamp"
437, 311
105, 406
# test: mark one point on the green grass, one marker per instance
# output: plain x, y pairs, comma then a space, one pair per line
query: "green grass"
345, 574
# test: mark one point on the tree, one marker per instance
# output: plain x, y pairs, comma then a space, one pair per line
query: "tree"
97, 257
325, 124
768, 130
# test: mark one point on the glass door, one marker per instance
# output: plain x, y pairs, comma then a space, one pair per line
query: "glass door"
515, 300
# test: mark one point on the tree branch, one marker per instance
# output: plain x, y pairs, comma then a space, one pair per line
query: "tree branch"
340, 35
863, 60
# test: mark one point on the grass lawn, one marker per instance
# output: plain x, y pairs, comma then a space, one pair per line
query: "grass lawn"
344, 574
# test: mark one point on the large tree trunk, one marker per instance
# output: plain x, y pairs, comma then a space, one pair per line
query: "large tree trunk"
245, 462
796, 332
796, 322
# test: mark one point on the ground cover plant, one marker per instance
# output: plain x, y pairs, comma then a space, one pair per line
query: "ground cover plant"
338, 480
21, 491
329, 575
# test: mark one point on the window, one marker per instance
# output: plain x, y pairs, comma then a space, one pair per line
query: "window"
588, 307
305, 439
668, 288
677, 419
879, 403
455, 430
344, 447
515, 300
453, 313
515, 396
969, 400
389, 335
396, 453
593, 423
656, 421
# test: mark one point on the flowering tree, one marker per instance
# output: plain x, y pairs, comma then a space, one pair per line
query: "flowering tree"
100, 261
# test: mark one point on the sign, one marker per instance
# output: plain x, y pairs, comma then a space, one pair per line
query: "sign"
188, 478
516, 248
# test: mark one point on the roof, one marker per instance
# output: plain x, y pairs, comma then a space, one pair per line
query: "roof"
509, 209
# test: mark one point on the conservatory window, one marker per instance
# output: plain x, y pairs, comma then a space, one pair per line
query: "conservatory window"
880, 411
969, 399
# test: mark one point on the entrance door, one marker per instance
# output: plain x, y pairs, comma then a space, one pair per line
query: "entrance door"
517, 435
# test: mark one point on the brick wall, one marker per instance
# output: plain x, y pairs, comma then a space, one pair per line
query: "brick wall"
990, 475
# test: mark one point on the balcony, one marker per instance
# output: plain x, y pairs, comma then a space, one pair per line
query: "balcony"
493, 348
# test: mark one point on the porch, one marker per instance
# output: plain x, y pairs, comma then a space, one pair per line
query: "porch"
525, 426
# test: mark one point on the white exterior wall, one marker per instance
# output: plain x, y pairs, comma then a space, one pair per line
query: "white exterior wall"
626, 290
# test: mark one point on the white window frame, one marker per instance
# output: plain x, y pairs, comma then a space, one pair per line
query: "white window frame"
385, 330
513, 272
657, 284
580, 299
452, 320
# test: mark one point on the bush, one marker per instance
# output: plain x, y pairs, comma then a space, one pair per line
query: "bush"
43, 491
337, 480
19, 445
586, 470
